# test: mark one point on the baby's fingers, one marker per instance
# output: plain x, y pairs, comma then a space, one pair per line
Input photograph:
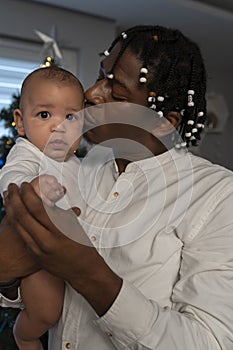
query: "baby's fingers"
53, 195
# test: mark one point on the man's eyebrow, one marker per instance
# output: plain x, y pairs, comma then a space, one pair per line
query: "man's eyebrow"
116, 81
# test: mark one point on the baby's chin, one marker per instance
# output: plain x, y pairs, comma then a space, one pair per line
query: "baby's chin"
58, 155
60, 152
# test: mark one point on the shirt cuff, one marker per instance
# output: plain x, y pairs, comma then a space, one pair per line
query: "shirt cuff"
129, 318
17, 303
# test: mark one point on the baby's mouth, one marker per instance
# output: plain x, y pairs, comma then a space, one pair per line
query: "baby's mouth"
57, 143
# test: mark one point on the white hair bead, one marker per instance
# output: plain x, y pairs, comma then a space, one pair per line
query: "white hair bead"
191, 92
183, 144
143, 80
106, 53
190, 122
144, 70
188, 134
151, 99
124, 35
200, 114
110, 76
194, 130
200, 126
160, 114
160, 98
153, 106
190, 103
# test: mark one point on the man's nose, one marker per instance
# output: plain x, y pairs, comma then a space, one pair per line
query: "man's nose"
98, 93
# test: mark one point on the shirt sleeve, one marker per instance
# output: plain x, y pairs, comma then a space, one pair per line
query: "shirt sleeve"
17, 303
201, 316
21, 165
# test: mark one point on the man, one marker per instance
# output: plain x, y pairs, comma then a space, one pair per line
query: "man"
152, 267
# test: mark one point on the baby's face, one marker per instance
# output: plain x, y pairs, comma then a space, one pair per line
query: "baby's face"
52, 117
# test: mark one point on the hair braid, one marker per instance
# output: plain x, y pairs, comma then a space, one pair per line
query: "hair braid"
174, 73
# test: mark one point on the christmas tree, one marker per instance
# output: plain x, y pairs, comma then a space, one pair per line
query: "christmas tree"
6, 142
6, 115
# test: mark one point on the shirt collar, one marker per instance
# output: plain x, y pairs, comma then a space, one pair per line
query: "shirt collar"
153, 162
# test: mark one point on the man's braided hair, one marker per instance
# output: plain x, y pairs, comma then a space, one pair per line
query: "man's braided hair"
174, 73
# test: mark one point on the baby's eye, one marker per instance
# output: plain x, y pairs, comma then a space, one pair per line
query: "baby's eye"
71, 117
44, 115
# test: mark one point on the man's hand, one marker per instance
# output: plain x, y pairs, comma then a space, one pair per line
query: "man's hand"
78, 262
15, 260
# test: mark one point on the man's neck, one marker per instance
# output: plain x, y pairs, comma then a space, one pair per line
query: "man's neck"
122, 164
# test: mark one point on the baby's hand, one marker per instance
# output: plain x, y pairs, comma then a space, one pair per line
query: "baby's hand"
48, 188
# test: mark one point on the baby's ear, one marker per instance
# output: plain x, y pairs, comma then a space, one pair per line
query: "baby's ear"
168, 124
18, 119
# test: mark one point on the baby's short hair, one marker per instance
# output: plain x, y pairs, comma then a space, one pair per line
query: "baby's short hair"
52, 73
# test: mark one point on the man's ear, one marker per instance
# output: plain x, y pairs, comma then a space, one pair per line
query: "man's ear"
18, 119
168, 124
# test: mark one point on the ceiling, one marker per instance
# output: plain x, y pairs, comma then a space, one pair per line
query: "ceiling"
208, 22
129, 12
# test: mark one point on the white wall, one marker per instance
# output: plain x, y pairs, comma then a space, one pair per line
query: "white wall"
218, 147
212, 29
87, 34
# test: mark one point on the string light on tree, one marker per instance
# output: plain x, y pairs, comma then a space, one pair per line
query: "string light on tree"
48, 62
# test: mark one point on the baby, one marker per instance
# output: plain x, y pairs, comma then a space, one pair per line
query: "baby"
49, 121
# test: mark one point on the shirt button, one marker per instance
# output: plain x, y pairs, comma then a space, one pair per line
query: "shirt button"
109, 334
68, 345
116, 194
93, 238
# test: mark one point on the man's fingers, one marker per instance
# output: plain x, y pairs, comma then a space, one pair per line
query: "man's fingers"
41, 227
31, 200
76, 210
13, 196
44, 224
52, 218
27, 226
36, 207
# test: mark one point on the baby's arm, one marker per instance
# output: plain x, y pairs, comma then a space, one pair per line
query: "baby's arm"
48, 188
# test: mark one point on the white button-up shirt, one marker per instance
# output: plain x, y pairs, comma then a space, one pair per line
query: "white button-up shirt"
165, 226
